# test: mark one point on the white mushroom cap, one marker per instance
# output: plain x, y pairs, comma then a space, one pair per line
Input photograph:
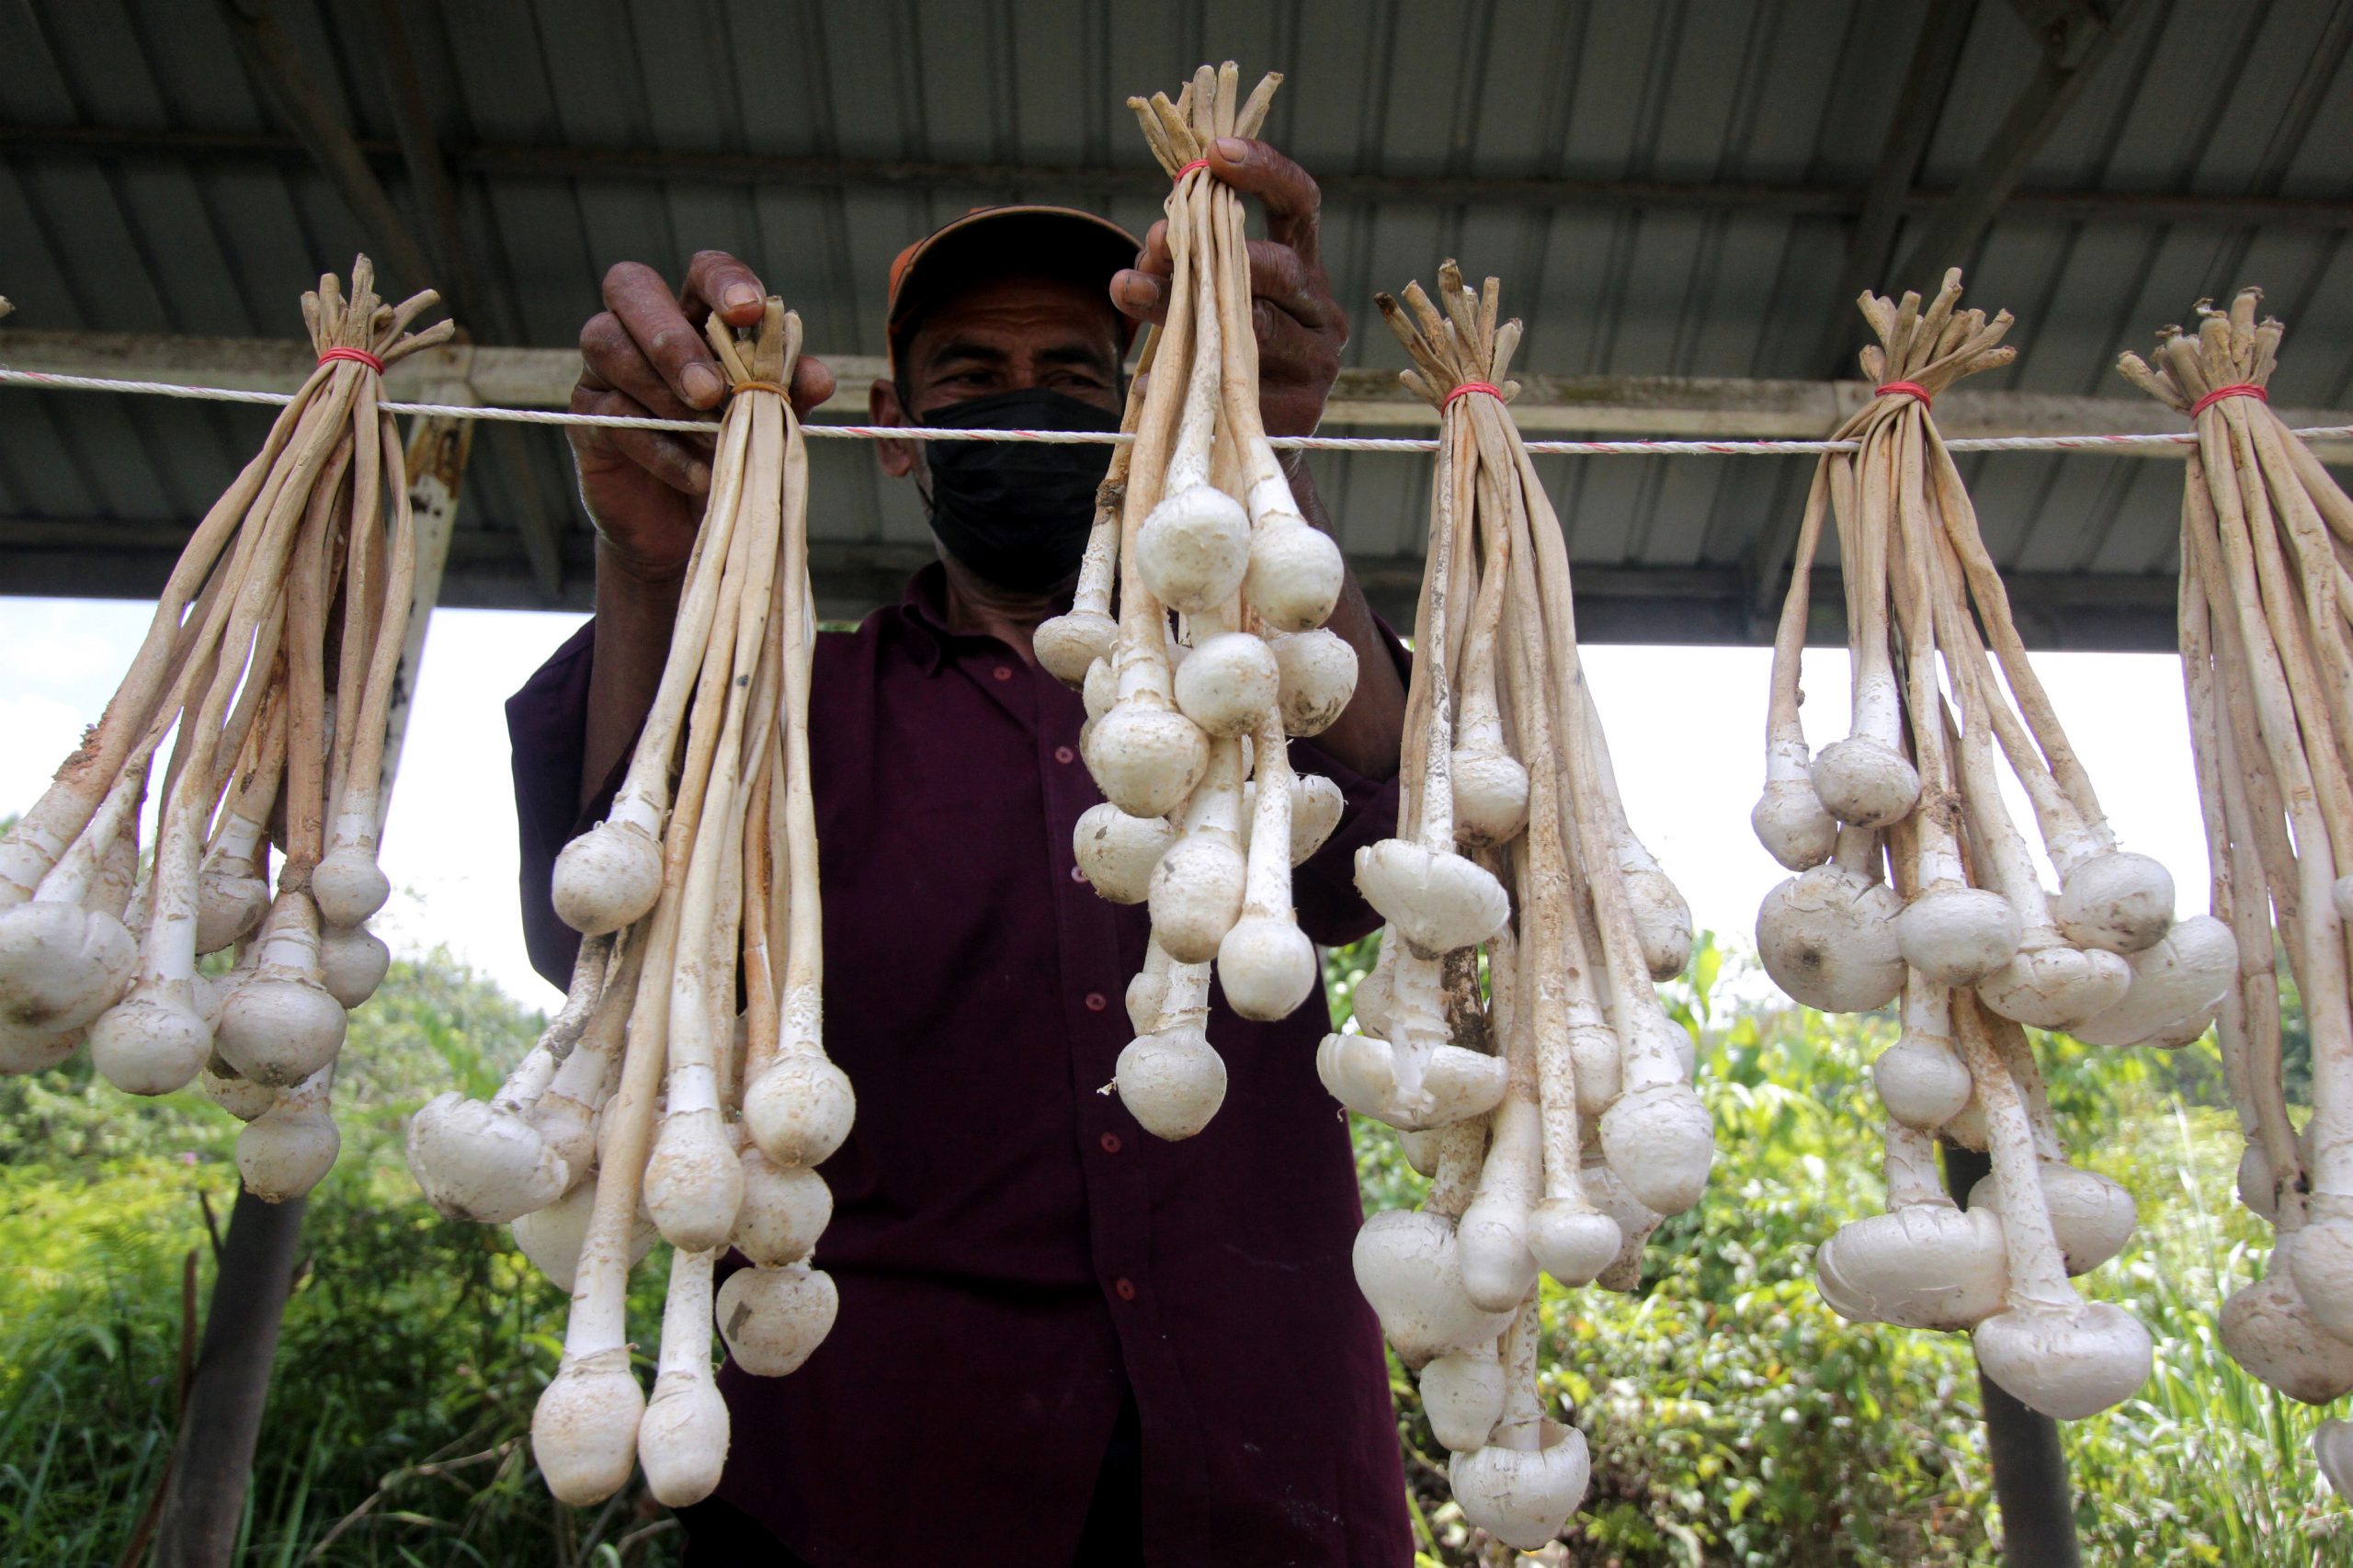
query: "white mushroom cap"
1422, 1146
1194, 549
2056, 988
551, 1237
1146, 757
1196, 894
1659, 1141
783, 1211
2091, 1215
353, 961
1267, 966
2177, 980
476, 1161
1924, 1265
606, 877
1408, 1266
1116, 852
1523, 1496
799, 1110
1957, 935
694, 1183
584, 1430
1316, 804
1463, 1394
1490, 796
2067, 1362
1318, 673
1146, 991
1595, 1058
1370, 1001
1069, 644
1227, 683
1359, 1071
1101, 691
287, 1149
1792, 824
1827, 937
22, 1051
1572, 1243
2269, 1330
241, 1098
2256, 1187
1662, 920
1865, 782
1171, 1082
2322, 1266
279, 1028
2333, 1446
773, 1318
1606, 1192
349, 886
61, 965
682, 1439
228, 904
1294, 577
1923, 1085
2118, 901
1437, 901
153, 1041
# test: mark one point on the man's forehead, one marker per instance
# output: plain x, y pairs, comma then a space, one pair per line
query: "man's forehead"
1018, 308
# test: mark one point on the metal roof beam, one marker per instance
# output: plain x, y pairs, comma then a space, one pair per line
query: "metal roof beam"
1631, 406
2218, 210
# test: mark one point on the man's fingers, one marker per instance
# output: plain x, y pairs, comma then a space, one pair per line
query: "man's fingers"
1154, 256
1289, 353
666, 339
680, 461
1140, 296
612, 361
812, 383
1280, 277
1288, 193
725, 284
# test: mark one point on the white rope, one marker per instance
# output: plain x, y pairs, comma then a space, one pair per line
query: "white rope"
1091, 437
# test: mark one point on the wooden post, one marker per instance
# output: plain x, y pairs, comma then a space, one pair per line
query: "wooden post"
2030, 1469
213, 1459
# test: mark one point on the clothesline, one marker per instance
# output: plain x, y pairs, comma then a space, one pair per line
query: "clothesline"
1082, 437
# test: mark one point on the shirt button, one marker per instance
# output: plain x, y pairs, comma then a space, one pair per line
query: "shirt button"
1096, 1002
1110, 1142
1004, 672
1124, 1288
1076, 875
1064, 754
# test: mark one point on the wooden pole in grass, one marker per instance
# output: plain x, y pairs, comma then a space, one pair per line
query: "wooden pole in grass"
213, 1459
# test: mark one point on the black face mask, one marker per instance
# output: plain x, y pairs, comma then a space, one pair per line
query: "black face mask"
1017, 512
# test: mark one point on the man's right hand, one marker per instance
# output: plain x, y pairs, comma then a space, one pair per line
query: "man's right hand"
645, 353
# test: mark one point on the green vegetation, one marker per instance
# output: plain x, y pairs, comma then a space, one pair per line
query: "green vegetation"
1734, 1419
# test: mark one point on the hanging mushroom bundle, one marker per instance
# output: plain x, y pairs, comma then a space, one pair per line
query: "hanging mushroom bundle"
1911, 880
2266, 650
1553, 1105
1202, 816
271, 663
649, 1106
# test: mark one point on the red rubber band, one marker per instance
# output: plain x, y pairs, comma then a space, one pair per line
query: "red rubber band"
2236, 389
1179, 177
1490, 387
1906, 389
356, 356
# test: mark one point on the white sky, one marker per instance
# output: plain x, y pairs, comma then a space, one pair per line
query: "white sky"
1685, 729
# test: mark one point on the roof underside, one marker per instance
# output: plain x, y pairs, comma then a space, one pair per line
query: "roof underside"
1674, 188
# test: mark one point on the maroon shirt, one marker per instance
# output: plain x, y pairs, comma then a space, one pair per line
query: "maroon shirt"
1014, 1254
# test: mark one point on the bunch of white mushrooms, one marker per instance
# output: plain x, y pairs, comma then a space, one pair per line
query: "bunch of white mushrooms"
1913, 881
2266, 650
650, 1106
1202, 815
1510, 1027
271, 663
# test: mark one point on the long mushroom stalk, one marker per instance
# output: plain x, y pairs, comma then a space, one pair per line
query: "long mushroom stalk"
1930, 891
2267, 651
1189, 721
311, 541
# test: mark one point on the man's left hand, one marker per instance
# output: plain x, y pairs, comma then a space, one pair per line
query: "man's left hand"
1301, 328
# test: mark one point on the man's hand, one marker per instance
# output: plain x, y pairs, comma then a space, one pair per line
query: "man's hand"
645, 353
1301, 328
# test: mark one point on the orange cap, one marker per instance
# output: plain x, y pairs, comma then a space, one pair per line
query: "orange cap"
1059, 241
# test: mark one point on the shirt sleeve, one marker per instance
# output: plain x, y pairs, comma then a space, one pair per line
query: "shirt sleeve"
1324, 888
547, 725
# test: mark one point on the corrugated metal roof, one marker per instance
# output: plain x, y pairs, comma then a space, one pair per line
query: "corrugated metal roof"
210, 228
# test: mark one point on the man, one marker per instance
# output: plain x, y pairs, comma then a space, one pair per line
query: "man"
1060, 1340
